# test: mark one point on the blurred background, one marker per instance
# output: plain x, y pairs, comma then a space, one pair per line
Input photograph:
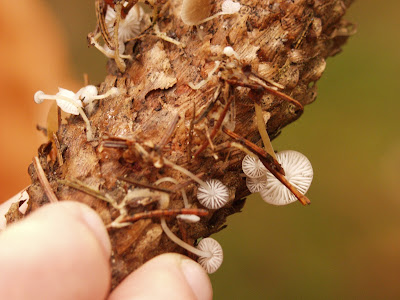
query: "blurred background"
346, 245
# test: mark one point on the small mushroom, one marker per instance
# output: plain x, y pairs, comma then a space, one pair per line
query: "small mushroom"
65, 99
195, 11
210, 264
208, 250
228, 51
298, 172
253, 167
129, 27
213, 195
230, 7
256, 185
89, 93
68, 102
188, 218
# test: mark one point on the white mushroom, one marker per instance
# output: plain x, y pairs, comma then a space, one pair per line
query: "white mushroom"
65, 99
228, 51
298, 172
129, 27
68, 102
255, 185
188, 218
214, 194
253, 167
209, 250
210, 264
89, 93
230, 7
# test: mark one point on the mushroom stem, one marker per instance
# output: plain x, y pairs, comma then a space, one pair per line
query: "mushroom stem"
93, 41
170, 179
263, 131
181, 243
89, 132
215, 129
110, 92
186, 172
118, 60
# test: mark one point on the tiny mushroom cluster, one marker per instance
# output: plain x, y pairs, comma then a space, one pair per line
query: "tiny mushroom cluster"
129, 27
73, 103
298, 171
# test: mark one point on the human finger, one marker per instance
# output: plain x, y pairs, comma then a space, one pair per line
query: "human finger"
169, 276
60, 251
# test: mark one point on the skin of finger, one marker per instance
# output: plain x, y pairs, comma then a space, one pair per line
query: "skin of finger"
162, 278
52, 254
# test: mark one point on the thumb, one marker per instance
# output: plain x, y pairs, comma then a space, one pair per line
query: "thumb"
168, 276
60, 251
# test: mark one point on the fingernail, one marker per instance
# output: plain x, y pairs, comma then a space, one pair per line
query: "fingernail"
197, 279
93, 221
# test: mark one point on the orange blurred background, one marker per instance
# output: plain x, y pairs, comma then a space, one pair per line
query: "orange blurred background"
346, 245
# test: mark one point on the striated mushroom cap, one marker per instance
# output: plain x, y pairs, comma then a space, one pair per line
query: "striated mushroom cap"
256, 185
299, 173
253, 167
71, 106
214, 195
210, 264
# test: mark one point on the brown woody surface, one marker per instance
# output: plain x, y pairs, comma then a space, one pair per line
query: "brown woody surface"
283, 41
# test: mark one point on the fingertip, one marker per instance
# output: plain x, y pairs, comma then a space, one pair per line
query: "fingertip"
92, 220
60, 251
167, 276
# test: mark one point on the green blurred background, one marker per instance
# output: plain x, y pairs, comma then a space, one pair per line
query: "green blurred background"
346, 245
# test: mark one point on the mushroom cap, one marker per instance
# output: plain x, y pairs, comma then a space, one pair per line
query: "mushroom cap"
253, 167
87, 93
188, 218
256, 185
195, 11
38, 97
298, 172
210, 264
128, 27
68, 107
230, 7
214, 196
228, 51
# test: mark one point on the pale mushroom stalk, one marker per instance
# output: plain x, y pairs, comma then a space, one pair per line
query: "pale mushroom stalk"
174, 181
263, 131
181, 243
185, 171
189, 218
118, 60
108, 54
